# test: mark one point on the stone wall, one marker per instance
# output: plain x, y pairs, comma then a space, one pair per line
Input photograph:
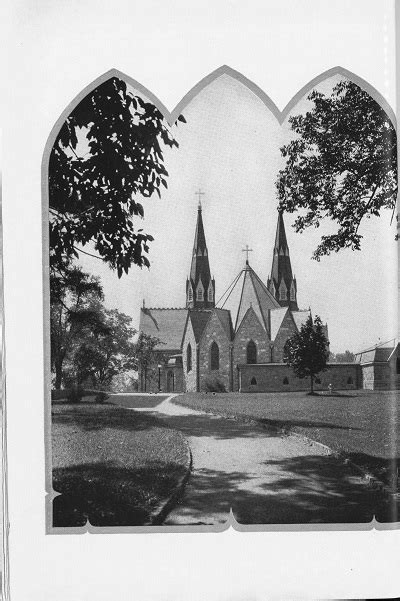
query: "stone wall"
279, 377
214, 331
287, 329
249, 329
380, 376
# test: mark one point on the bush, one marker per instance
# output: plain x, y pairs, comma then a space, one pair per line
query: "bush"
101, 397
213, 384
75, 394
57, 395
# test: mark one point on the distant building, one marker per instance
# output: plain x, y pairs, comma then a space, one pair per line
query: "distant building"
201, 347
380, 367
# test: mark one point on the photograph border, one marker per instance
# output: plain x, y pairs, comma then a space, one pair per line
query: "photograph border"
171, 118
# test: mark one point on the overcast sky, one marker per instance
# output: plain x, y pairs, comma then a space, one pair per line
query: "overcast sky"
229, 148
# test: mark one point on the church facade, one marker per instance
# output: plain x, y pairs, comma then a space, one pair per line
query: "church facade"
202, 347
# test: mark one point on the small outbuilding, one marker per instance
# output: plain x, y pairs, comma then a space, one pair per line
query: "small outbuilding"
380, 367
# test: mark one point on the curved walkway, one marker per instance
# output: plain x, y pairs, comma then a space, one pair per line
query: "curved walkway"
266, 478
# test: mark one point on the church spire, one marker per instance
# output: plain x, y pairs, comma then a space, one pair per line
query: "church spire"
282, 284
200, 287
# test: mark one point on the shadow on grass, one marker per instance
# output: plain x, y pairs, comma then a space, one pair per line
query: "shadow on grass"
303, 423
137, 401
95, 417
92, 418
109, 495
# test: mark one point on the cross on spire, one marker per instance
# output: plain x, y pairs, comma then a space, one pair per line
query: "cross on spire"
199, 193
247, 250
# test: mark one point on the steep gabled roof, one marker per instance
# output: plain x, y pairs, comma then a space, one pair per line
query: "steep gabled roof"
225, 318
255, 294
243, 324
380, 354
300, 317
277, 317
199, 319
165, 324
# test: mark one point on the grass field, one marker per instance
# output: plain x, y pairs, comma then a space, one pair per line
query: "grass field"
113, 466
362, 424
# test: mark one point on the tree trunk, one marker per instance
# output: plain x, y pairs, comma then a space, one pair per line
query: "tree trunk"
312, 383
58, 379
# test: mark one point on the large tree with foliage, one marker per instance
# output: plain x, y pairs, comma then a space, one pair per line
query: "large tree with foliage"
307, 351
104, 354
107, 156
72, 316
341, 165
147, 356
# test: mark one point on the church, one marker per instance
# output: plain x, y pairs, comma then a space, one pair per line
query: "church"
204, 348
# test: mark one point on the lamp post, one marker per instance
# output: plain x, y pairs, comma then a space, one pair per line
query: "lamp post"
159, 377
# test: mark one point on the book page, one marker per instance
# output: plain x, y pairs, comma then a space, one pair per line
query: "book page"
194, 276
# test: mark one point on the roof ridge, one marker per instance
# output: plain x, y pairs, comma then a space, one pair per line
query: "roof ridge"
230, 333
259, 301
164, 308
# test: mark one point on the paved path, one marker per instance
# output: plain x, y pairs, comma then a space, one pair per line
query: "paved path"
266, 478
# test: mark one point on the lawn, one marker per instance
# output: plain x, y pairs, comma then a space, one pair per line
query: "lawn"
112, 465
362, 424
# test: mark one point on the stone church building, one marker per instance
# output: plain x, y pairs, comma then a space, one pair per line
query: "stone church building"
204, 348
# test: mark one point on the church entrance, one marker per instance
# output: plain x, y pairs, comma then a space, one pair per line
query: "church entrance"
170, 381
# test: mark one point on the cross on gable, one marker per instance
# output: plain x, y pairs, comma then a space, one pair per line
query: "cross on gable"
247, 250
199, 193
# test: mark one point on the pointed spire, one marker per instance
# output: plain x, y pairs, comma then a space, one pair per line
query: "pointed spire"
286, 293
200, 270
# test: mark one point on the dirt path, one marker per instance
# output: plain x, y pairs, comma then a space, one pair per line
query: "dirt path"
266, 478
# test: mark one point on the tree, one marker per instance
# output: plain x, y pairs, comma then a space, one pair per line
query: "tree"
341, 165
72, 293
307, 352
146, 355
107, 153
106, 353
346, 357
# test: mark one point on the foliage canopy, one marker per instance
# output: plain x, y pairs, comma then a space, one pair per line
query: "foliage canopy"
94, 185
307, 351
342, 165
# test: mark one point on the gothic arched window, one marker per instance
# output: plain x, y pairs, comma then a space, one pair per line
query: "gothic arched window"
251, 352
190, 295
189, 358
292, 292
214, 356
210, 293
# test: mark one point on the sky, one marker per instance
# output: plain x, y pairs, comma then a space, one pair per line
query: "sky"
230, 149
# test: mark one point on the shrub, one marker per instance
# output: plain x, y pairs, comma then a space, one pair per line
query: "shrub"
213, 384
101, 397
75, 394
57, 395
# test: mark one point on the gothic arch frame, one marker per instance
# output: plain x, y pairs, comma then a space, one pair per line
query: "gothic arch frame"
170, 117
189, 365
214, 355
251, 352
